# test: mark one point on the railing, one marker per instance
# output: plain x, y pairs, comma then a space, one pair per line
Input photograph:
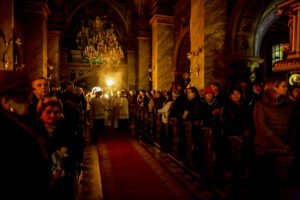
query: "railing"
189, 143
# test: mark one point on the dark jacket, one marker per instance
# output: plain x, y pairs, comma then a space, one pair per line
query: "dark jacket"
25, 162
273, 123
64, 136
234, 118
198, 111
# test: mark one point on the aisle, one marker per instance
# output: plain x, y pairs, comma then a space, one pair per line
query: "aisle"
128, 171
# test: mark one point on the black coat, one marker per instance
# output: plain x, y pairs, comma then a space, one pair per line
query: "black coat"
25, 162
235, 119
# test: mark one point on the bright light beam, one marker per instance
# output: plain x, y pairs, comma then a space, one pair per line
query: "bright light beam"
109, 82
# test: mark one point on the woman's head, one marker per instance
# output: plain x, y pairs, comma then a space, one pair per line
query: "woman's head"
294, 93
49, 110
275, 87
235, 95
168, 95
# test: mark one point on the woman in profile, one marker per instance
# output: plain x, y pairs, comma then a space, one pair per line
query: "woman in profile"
274, 119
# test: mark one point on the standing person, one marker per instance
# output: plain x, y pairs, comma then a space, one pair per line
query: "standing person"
176, 112
88, 98
40, 90
122, 111
97, 109
194, 113
142, 99
24, 155
164, 112
64, 146
235, 125
273, 119
216, 88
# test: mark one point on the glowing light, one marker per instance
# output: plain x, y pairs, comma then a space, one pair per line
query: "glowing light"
96, 89
109, 82
106, 96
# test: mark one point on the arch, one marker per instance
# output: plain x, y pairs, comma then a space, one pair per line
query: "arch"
184, 32
247, 24
77, 8
267, 19
233, 22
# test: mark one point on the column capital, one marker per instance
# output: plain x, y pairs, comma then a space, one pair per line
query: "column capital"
54, 33
143, 38
162, 19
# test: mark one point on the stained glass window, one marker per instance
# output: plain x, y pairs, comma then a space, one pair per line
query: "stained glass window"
277, 54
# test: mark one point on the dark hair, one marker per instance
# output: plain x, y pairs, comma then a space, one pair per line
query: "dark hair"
70, 83
194, 90
292, 87
216, 84
232, 89
99, 93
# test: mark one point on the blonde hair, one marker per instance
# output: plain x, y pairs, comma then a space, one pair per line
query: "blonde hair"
271, 83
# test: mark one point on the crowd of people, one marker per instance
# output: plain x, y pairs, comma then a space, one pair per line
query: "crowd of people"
244, 136
226, 136
46, 128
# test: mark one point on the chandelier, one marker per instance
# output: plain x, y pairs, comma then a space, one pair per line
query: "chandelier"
98, 43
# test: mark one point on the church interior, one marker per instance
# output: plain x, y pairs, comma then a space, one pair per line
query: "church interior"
130, 46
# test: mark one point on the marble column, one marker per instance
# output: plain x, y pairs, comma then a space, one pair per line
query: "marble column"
53, 51
6, 35
31, 20
131, 70
162, 51
207, 39
144, 62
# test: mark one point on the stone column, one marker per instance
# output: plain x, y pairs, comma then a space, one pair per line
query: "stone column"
131, 64
207, 39
63, 70
31, 20
6, 34
53, 52
162, 51
144, 62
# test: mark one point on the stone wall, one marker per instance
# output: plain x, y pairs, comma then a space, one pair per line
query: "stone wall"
53, 54
6, 34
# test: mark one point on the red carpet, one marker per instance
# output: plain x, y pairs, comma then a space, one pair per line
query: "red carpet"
128, 171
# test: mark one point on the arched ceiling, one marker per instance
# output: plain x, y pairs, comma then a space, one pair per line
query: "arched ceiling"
247, 24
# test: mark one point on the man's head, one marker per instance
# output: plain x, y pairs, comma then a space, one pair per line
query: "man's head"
70, 87
215, 88
191, 93
41, 87
175, 94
